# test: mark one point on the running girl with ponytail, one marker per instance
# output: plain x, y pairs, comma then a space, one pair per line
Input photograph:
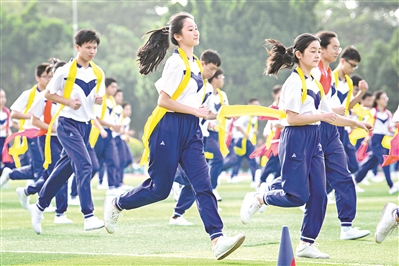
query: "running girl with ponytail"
172, 134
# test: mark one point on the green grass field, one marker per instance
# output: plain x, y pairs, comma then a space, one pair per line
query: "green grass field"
143, 236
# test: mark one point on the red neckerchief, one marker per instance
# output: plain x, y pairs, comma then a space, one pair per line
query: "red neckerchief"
325, 78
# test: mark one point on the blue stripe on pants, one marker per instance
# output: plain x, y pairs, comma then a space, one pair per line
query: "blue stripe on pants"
177, 139
74, 137
302, 177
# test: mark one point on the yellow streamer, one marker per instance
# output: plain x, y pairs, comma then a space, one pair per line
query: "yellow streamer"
350, 92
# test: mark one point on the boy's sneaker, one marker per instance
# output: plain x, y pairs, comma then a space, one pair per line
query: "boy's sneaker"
23, 199
74, 201
179, 221
249, 207
308, 250
111, 214
5, 176
62, 219
226, 245
217, 196
93, 223
50, 208
394, 188
350, 233
387, 222
36, 218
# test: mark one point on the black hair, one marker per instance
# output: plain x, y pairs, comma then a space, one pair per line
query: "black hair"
281, 57
108, 81
118, 91
86, 36
366, 95
42, 68
276, 89
124, 104
325, 37
356, 78
377, 96
350, 53
251, 100
211, 56
54, 64
218, 72
151, 54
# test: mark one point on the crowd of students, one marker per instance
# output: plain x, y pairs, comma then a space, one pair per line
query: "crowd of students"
74, 123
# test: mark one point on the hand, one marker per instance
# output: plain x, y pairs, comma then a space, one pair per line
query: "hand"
116, 127
103, 133
74, 104
98, 100
340, 110
54, 128
366, 126
202, 112
328, 117
363, 86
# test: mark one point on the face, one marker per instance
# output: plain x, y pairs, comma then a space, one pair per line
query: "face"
331, 52
127, 111
119, 98
310, 57
43, 79
254, 103
368, 102
383, 100
111, 89
209, 70
87, 51
3, 98
189, 35
348, 65
218, 81
355, 90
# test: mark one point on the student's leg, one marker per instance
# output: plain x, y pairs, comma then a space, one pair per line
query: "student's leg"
185, 201
216, 164
253, 165
112, 162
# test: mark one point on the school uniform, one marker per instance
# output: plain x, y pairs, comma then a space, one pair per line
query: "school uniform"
350, 150
45, 110
73, 131
212, 142
5, 121
273, 165
381, 128
34, 169
105, 148
301, 156
177, 139
338, 175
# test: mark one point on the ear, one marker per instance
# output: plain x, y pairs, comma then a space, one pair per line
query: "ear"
177, 37
37, 78
203, 63
77, 47
298, 54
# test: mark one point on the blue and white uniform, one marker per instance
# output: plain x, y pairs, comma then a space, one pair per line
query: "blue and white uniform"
382, 126
178, 139
73, 132
302, 162
34, 169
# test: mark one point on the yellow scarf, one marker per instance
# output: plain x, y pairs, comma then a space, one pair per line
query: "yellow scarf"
241, 151
70, 81
159, 112
95, 132
19, 148
350, 92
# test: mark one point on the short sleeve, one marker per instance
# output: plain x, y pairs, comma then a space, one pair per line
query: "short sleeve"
56, 84
292, 95
172, 75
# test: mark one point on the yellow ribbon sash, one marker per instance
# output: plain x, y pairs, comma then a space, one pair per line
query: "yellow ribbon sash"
95, 132
70, 81
19, 148
241, 151
350, 92
159, 112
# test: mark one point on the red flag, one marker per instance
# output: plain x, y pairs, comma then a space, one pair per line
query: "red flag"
29, 133
361, 153
393, 155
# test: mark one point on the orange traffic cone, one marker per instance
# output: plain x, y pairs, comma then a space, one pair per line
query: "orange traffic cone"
285, 254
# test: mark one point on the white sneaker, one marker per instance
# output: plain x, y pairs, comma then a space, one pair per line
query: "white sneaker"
226, 245
331, 197
394, 188
254, 185
50, 208
74, 201
125, 187
264, 188
359, 189
350, 233
249, 207
235, 179
5, 176
111, 214
179, 221
62, 219
93, 223
36, 218
23, 199
262, 209
308, 250
365, 182
217, 196
114, 192
176, 190
387, 222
